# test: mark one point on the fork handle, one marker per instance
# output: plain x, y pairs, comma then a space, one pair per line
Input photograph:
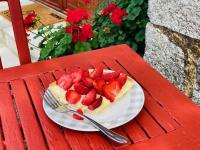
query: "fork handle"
109, 133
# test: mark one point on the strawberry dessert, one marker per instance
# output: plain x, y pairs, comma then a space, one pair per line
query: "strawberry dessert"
90, 91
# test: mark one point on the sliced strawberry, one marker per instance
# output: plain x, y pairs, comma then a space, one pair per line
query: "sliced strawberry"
80, 88
85, 73
65, 81
88, 82
122, 79
76, 74
98, 85
111, 90
89, 98
111, 76
95, 104
96, 73
72, 96
77, 116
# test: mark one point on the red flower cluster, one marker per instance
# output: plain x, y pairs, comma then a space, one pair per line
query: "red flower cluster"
117, 13
86, 1
30, 20
80, 34
75, 16
108, 9
80, 31
86, 32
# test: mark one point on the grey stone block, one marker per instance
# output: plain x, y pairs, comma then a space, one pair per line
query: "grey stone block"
182, 16
164, 56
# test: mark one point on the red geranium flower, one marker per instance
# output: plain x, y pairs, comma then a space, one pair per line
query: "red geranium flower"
30, 20
86, 1
117, 15
75, 31
86, 32
75, 16
108, 9
80, 34
68, 30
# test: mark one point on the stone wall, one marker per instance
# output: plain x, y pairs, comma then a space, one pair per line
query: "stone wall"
173, 43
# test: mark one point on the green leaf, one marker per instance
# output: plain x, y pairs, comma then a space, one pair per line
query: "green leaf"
41, 28
137, 2
100, 20
94, 41
62, 47
139, 37
82, 47
123, 3
59, 51
143, 23
134, 46
50, 27
121, 37
66, 39
44, 53
133, 12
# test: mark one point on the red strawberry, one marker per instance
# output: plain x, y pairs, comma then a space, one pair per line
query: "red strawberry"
89, 98
80, 88
111, 76
98, 85
86, 73
65, 81
111, 90
96, 73
88, 82
77, 116
72, 96
95, 104
122, 79
76, 74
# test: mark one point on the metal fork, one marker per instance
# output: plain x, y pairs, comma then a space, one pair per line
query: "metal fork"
53, 102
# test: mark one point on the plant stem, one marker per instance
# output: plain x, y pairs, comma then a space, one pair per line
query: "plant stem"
45, 26
36, 34
33, 45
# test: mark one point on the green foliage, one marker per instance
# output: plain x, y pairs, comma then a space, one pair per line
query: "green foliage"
53, 42
82, 47
56, 42
132, 29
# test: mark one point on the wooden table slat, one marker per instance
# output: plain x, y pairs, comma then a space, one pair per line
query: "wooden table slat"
98, 141
77, 140
9, 120
149, 124
135, 132
158, 112
53, 133
30, 125
1, 137
120, 131
114, 65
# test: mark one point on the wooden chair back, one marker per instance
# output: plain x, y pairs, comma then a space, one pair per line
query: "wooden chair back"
19, 31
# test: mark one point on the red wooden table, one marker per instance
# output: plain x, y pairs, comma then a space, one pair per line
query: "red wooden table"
169, 120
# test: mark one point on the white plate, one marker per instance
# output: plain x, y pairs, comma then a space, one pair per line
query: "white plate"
119, 113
